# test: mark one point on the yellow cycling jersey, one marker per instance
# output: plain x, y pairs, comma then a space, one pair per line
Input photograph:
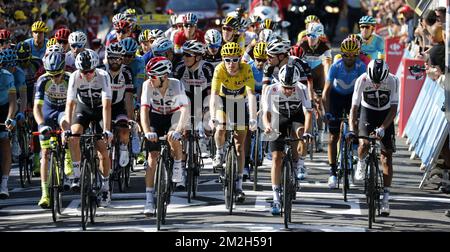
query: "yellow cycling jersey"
233, 87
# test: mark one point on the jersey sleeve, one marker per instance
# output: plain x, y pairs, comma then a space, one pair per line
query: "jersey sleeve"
327, 54
306, 101
145, 96
249, 79
358, 92
267, 104
106, 90
72, 89
332, 73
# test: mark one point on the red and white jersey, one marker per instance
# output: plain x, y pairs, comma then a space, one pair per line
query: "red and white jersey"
169, 103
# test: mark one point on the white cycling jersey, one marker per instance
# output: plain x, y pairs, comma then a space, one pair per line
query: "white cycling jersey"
174, 98
277, 102
90, 93
376, 97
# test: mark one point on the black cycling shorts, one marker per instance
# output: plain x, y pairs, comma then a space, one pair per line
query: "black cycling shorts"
339, 105
284, 124
84, 115
161, 124
118, 109
236, 112
318, 75
370, 119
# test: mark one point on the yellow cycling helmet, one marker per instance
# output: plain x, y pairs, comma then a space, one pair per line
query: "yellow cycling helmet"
131, 11
145, 35
311, 18
355, 36
350, 46
51, 42
231, 49
268, 24
39, 26
232, 22
260, 50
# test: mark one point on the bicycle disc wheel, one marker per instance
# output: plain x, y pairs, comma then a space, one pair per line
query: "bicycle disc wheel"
85, 185
287, 187
161, 187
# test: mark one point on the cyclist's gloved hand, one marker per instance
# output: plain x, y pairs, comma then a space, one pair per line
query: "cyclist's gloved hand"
151, 136
212, 123
10, 123
252, 124
44, 130
350, 135
176, 136
108, 134
380, 132
328, 116
20, 116
137, 105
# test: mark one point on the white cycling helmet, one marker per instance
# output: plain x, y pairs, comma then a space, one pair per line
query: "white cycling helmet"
118, 17
289, 75
266, 35
377, 70
86, 60
54, 48
315, 29
158, 66
278, 46
213, 37
156, 33
78, 38
193, 46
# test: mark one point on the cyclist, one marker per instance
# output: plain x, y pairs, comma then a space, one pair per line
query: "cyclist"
337, 97
5, 39
77, 41
363, 57
9, 63
30, 65
151, 37
372, 45
213, 40
255, 24
230, 32
7, 112
163, 102
260, 58
287, 104
123, 30
122, 94
38, 42
62, 37
89, 100
376, 93
135, 63
318, 56
232, 82
163, 47
189, 32
49, 106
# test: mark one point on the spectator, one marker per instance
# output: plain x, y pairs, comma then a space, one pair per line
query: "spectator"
408, 13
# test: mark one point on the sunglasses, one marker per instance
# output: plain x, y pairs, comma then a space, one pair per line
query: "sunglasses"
179, 26
129, 56
227, 28
121, 31
88, 72
54, 74
313, 36
364, 27
231, 60
288, 87
62, 41
348, 55
214, 46
260, 60
76, 45
188, 25
116, 59
271, 56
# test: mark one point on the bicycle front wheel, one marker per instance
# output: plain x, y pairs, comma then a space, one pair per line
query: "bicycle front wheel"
287, 190
371, 193
230, 178
161, 191
85, 185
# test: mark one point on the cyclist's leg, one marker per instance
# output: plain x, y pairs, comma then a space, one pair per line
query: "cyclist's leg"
336, 107
5, 148
219, 136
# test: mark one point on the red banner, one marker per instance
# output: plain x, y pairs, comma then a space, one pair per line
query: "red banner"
411, 83
394, 52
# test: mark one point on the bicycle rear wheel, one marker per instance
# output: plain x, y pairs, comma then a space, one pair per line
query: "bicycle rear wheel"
161, 191
345, 180
191, 167
287, 190
85, 185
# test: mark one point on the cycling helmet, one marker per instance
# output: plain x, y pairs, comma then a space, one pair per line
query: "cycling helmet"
367, 20
315, 30
122, 25
180, 19
231, 49
173, 20
9, 57
357, 37
268, 24
156, 33
278, 47
190, 18
377, 70
5, 34
158, 66
297, 51
54, 62
194, 47
232, 22
39, 26
130, 45
266, 35
255, 19
54, 48
213, 37
62, 34
311, 18
161, 45
260, 50
52, 41
86, 60
78, 37
289, 75
144, 35
23, 51
115, 49
130, 15
350, 46
244, 23
118, 17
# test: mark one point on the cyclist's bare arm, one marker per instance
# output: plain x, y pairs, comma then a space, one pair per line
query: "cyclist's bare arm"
12, 105
184, 119
37, 113
251, 103
129, 104
23, 99
70, 108
106, 114
390, 116
145, 119
326, 62
212, 102
326, 95
353, 117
